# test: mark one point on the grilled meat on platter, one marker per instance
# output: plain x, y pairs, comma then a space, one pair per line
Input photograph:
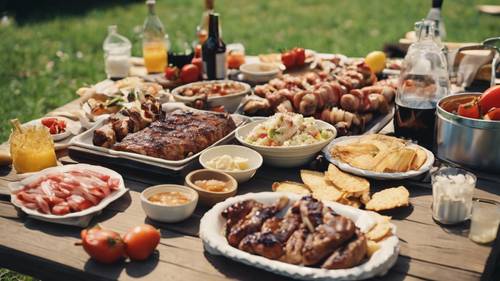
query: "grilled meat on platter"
178, 135
309, 234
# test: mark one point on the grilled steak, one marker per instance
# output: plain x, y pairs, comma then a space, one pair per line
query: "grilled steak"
179, 135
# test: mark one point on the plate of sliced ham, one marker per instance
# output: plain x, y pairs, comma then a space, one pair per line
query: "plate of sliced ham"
70, 194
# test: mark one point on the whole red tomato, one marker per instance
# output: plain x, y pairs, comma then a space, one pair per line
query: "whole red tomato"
288, 59
300, 56
199, 63
489, 99
189, 73
172, 73
141, 241
103, 245
493, 114
235, 60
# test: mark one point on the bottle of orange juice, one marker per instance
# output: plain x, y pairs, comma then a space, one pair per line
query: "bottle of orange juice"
154, 46
31, 148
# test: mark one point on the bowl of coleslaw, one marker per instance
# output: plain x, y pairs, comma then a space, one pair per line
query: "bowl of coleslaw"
287, 139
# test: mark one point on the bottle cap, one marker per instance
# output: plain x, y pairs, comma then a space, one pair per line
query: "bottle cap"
437, 3
150, 2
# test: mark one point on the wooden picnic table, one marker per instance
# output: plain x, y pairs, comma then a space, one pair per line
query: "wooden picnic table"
47, 251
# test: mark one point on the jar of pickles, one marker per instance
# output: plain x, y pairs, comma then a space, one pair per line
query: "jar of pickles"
31, 148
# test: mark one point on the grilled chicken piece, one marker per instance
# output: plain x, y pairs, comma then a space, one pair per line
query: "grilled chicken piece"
238, 211
180, 135
349, 255
311, 211
294, 246
265, 244
126, 121
273, 236
327, 237
253, 221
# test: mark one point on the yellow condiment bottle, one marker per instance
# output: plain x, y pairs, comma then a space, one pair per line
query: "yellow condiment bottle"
31, 148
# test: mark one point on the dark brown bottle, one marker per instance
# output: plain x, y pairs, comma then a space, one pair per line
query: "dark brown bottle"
214, 51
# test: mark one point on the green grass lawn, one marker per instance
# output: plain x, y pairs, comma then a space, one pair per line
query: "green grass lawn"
44, 61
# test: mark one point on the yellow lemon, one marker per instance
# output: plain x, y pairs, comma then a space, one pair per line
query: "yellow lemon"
376, 61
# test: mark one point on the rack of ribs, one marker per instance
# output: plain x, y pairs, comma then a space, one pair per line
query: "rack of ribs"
179, 135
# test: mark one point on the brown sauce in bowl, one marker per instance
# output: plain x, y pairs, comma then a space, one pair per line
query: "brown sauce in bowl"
169, 198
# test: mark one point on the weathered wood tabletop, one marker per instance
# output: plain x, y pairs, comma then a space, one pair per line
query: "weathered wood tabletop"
46, 251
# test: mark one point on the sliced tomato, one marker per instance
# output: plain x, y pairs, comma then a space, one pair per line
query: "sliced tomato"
493, 114
47, 122
489, 99
61, 124
470, 110
54, 129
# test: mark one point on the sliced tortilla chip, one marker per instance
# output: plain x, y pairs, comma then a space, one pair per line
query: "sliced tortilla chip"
347, 182
290, 186
389, 198
320, 187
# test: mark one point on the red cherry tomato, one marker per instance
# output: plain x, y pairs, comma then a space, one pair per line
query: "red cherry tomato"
172, 73
189, 73
489, 99
493, 114
300, 56
103, 245
470, 109
288, 59
141, 241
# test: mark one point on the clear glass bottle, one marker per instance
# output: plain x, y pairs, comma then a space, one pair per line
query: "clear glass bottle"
117, 51
435, 15
202, 28
154, 45
423, 81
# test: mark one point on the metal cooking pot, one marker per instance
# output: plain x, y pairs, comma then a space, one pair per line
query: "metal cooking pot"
474, 143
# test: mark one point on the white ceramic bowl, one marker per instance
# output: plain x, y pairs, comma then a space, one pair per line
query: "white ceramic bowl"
168, 213
230, 102
209, 198
285, 156
259, 72
56, 137
254, 160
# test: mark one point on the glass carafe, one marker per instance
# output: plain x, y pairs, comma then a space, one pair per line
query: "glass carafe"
117, 50
423, 81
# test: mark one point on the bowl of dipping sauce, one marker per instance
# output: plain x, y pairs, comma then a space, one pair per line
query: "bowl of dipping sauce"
259, 72
212, 186
238, 161
169, 202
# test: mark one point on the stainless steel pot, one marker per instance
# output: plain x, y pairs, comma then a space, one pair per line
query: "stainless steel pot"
473, 143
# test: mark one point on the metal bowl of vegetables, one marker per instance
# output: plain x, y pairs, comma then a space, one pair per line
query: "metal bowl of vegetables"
464, 133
